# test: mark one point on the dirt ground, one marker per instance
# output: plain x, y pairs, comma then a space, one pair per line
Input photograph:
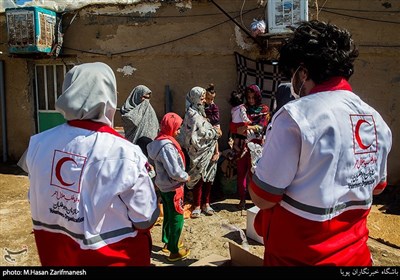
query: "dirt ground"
204, 236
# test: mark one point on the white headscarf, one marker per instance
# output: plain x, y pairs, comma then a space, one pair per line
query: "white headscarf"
89, 93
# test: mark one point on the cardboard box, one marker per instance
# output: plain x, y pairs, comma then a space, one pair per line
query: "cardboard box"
241, 257
250, 232
212, 260
238, 257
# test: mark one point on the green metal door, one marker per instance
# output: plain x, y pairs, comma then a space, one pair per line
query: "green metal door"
48, 120
48, 87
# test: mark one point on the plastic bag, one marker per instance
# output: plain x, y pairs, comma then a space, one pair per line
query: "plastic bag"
255, 154
258, 27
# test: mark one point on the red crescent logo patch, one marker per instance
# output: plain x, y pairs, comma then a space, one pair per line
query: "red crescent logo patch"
66, 170
364, 134
357, 134
58, 170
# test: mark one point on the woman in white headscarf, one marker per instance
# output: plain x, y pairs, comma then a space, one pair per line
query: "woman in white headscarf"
199, 140
138, 116
92, 200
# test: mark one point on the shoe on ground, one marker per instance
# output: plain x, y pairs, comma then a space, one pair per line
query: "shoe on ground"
165, 248
159, 221
208, 210
195, 213
394, 209
182, 254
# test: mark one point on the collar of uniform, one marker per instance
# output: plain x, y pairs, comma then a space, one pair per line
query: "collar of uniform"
334, 83
95, 126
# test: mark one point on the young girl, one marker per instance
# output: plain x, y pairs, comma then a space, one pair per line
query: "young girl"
258, 113
169, 162
239, 118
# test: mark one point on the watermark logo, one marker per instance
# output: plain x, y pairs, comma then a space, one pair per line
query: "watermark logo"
11, 256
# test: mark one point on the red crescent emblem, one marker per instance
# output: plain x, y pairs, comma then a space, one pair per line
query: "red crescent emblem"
58, 170
357, 134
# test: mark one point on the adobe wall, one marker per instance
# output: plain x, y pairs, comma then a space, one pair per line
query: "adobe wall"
200, 51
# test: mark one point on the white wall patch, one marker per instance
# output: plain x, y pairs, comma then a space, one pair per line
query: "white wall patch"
127, 70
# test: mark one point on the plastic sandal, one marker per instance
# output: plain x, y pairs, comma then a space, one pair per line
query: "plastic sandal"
183, 253
208, 210
195, 214
159, 221
165, 248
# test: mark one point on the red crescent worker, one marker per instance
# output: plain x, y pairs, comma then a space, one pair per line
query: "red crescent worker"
92, 200
325, 156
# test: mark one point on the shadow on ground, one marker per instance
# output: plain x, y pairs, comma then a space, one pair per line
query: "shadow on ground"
11, 168
390, 199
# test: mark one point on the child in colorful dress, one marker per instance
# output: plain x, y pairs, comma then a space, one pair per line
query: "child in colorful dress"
239, 118
171, 177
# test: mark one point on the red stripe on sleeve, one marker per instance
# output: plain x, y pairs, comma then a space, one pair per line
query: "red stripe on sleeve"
263, 194
381, 185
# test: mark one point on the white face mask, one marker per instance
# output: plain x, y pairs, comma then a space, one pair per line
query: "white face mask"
293, 92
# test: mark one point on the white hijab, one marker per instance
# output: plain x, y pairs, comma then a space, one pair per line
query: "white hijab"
89, 92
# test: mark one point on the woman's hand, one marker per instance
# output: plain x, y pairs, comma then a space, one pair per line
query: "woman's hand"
219, 131
215, 156
242, 130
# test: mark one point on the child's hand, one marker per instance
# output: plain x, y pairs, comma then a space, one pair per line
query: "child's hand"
150, 170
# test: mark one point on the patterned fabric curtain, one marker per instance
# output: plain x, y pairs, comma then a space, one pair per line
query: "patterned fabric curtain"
264, 73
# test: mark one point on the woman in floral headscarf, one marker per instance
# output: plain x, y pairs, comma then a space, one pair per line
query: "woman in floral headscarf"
199, 140
138, 116
259, 115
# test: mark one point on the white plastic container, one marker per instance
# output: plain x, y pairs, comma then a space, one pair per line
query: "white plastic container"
250, 231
